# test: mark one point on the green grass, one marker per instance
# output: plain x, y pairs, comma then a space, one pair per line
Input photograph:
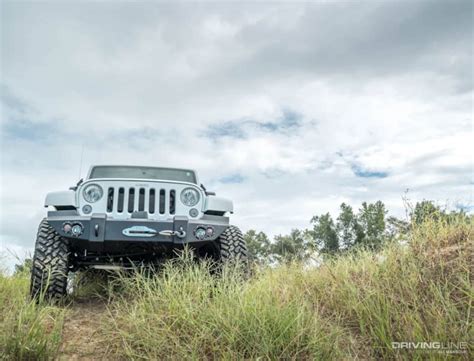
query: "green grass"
28, 331
353, 306
186, 313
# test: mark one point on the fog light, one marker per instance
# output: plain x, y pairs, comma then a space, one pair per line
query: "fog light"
76, 230
86, 209
209, 231
200, 233
193, 212
67, 227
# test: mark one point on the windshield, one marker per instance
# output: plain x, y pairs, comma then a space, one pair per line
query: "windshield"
180, 175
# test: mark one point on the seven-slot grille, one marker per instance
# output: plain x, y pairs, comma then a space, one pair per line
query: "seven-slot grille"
132, 199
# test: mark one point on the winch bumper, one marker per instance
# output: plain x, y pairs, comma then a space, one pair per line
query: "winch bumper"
95, 232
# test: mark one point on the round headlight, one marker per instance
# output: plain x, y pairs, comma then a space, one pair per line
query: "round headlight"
92, 193
189, 197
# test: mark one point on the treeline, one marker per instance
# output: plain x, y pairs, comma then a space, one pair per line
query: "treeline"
369, 227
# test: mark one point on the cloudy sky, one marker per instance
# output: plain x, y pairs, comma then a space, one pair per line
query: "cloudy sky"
288, 109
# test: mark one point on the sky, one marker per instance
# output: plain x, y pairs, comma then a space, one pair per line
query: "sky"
289, 109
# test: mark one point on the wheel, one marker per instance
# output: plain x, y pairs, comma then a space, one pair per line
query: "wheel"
232, 246
50, 264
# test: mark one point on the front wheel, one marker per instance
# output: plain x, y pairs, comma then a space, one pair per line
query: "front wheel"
232, 246
50, 264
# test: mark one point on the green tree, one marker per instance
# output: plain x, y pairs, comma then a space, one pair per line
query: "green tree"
372, 219
24, 267
324, 234
396, 228
258, 245
292, 247
348, 228
425, 210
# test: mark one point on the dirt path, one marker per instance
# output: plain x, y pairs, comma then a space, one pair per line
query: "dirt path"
81, 331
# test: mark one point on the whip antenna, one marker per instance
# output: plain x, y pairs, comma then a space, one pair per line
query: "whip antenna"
80, 163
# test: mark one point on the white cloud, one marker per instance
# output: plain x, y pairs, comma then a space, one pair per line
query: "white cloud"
145, 83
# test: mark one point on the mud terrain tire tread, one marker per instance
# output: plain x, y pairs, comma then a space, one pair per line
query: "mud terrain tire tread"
232, 246
50, 264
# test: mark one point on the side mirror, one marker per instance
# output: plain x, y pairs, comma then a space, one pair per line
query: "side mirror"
207, 192
77, 185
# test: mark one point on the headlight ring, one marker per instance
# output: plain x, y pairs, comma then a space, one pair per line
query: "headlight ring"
189, 197
92, 193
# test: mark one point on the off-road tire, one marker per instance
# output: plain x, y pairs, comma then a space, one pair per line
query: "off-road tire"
232, 246
50, 264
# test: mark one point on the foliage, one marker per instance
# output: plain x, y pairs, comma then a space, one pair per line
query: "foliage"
324, 234
24, 266
369, 228
349, 229
185, 313
292, 247
372, 219
28, 331
366, 229
396, 229
425, 210
352, 306
258, 245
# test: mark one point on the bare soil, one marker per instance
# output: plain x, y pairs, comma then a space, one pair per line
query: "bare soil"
81, 332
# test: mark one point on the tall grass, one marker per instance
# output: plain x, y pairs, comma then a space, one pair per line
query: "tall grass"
352, 306
187, 313
28, 331
414, 293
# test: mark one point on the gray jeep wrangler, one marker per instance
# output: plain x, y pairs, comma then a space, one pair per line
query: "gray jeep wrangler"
122, 216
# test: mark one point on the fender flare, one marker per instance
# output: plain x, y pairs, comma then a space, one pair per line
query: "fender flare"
218, 204
62, 198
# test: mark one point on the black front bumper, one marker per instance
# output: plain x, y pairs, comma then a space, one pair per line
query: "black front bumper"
101, 233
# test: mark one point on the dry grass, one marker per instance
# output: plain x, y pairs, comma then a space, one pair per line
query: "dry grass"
353, 306
28, 331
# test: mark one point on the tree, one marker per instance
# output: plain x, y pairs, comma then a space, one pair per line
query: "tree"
292, 247
425, 210
258, 245
372, 219
396, 228
324, 234
348, 228
24, 267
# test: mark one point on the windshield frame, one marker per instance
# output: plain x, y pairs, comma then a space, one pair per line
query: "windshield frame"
90, 175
